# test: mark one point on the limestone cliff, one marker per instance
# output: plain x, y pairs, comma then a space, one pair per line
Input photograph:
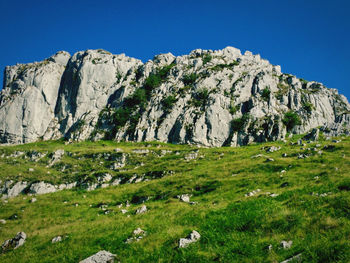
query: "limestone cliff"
211, 98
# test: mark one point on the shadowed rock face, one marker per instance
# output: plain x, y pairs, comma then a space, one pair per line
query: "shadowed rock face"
211, 98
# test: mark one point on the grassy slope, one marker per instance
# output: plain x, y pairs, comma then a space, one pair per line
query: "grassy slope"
233, 228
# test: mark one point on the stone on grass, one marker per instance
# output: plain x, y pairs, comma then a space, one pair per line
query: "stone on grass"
191, 238
100, 257
252, 193
272, 149
56, 239
286, 244
296, 258
141, 210
184, 198
137, 235
15, 242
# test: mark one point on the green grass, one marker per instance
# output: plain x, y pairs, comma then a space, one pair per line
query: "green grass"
233, 228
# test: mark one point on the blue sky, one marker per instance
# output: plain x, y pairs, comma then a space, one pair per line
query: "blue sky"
308, 38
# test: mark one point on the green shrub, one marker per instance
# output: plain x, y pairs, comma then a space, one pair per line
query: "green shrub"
206, 59
190, 79
168, 102
200, 98
184, 90
223, 66
282, 90
154, 80
234, 108
291, 119
239, 123
307, 106
266, 94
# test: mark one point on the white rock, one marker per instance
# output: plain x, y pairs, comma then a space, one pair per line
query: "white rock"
100, 257
296, 258
141, 210
56, 239
191, 238
286, 244
42, 188
184, 198
15, 242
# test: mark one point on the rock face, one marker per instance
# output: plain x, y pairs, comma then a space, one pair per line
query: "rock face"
211, 98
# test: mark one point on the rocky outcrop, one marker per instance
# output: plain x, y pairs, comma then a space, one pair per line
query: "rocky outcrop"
210, 98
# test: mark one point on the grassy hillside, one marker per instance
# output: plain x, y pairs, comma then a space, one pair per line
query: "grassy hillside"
312, 206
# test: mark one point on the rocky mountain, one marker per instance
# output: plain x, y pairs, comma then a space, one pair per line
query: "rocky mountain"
210, 98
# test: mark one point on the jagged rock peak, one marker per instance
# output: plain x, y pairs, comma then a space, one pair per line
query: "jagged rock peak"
212, 98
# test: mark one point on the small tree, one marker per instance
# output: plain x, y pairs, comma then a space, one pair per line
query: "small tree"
266, 94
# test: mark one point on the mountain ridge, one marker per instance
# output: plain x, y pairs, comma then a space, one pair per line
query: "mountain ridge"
210, 98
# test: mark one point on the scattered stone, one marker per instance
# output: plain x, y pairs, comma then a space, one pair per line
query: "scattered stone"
141, 151
300, 142
284, 155
336, 141
15, 242
269, 247
137, 235
184, 198
296, 258
31, 169
303, 156
286, 244
36, 156
120, 162
33, 200
2, 221
274, 195
56, 157
272, 149
56, 239
141, 210
252, 193
191, 238
191, 156
269, 160
124, 211
100, 257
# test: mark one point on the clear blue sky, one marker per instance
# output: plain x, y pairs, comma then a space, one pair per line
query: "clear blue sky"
308, 38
